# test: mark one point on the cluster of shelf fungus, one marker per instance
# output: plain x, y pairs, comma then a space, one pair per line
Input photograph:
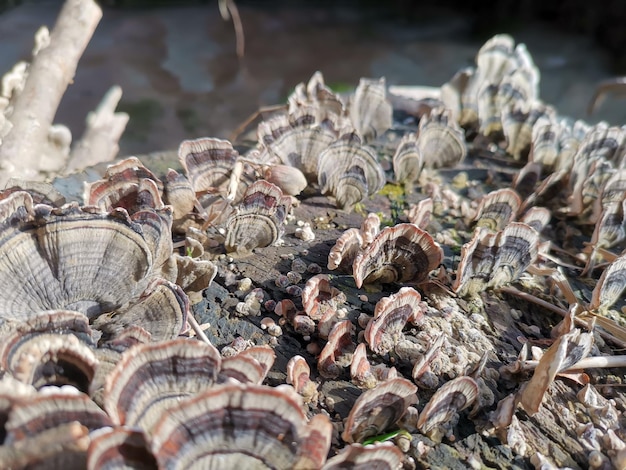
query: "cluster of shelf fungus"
104, 365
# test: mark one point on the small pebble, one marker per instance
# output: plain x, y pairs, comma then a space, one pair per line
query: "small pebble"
228, 351
363, 298
242, 308
403, 442
270, 305
303, 325
284, 308
460, 180
258, 294
363, 319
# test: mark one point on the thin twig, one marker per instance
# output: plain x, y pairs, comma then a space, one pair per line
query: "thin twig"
195, 326
228, 10
253, 117
553, 308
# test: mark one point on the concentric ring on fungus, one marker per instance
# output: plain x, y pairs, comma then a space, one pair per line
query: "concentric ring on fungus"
390, 316
207, 162
116, 448
151, 378
45, 412
404, 253
52, 348
258, 221
377, 409
39, 260
77, 258
241, 426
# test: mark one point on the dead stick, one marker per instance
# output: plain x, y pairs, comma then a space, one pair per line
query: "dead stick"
50, 73
593, 362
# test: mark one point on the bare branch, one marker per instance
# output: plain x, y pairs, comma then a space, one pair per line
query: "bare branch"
50, 72
100, 140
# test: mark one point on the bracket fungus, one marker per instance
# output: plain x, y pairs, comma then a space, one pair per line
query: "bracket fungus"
318, 296
118, 447
53, 412
349, 171
370, 111
258, 220
390, 316
207, 162
610, 285
383, 456
364, 375
298, 139
490, 260
316, 93
76, 258
404, 253
51, 348
237, 425
248, 366
299, 375
566, 351
345, 249
378, 409
338, 351
497, 209
151, 378
120, 185
440, 414
440, 140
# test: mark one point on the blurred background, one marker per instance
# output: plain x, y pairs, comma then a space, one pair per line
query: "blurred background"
176, 61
